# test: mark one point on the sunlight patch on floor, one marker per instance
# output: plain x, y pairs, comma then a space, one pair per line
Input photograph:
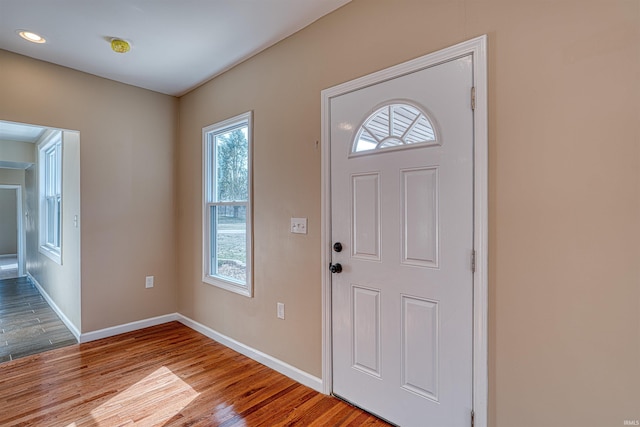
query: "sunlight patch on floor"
153, 400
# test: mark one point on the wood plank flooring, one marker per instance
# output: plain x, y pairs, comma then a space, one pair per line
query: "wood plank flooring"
27, 324
167, 375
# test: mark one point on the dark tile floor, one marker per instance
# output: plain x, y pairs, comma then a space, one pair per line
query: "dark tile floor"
27, 324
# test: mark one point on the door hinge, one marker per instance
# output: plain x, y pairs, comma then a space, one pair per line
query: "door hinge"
473, 420
473, 98
473, 261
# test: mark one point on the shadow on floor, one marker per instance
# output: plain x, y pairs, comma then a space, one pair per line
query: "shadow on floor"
28, 325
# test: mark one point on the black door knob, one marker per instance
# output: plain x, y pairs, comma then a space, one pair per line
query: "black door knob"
335, 268
337, 246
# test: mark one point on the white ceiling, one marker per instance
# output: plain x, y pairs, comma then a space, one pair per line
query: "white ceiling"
17, 132
176, 44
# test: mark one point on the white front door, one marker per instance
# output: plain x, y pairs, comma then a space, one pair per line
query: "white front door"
402, 210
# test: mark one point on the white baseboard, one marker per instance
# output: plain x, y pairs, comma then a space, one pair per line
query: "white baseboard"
9, 256
127, 327
260, 357
69, 324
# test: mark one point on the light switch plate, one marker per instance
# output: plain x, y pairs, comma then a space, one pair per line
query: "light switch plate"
299, 225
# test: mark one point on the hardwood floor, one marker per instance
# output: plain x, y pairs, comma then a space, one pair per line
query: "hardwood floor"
27, 324
167, 375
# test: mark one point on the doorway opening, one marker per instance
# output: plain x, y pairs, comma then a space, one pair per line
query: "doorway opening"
11, 232
44, 290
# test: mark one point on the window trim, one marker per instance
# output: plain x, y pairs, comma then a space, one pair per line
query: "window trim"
207, 169
51, 141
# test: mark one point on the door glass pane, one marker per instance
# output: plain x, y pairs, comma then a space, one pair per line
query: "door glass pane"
229, 242
394, 125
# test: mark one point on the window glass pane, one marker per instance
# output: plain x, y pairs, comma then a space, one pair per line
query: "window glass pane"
52, 196
229, 242
58, 175
49, 173
51, 221
213, 242
58, 220
232, 171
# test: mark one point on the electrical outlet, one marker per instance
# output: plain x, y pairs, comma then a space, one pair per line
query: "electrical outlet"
148, 282
299, 225
281, 310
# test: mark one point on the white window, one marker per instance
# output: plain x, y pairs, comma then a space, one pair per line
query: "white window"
50, 192
227, 212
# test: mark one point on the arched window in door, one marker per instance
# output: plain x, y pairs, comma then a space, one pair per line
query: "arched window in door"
395, 125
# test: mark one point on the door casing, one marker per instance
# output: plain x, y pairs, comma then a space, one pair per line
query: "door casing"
477, 47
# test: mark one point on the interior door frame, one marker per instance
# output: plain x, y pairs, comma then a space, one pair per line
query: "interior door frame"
476, 47
19, 224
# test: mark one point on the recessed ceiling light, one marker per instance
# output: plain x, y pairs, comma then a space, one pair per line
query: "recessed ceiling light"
31, 36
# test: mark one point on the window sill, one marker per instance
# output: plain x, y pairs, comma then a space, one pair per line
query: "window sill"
228, 285
54, 255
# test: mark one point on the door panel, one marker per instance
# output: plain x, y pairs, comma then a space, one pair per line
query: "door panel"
402, 207
420, 347
419, 217
365, 218
365, 315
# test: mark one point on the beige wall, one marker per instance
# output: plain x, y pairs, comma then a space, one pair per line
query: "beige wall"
12, 176
8, 222
564, 202
127, 140
18, 152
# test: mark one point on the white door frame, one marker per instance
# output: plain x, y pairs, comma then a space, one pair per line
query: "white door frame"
19, 224
478, 48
